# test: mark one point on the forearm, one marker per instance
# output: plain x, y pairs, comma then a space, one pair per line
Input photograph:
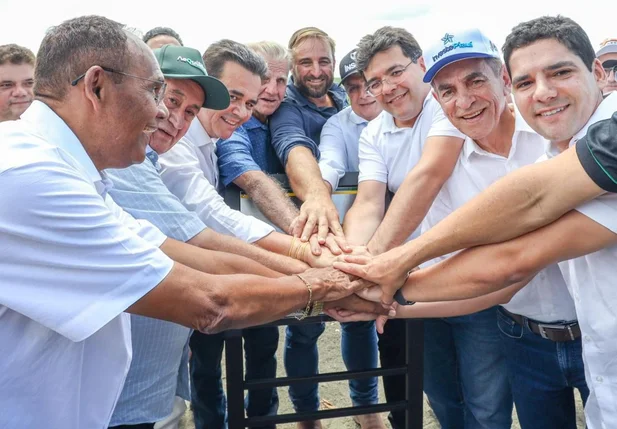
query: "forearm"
214, 262
212, 304
459, 307
277, 262
361, 221
523, 201
304, 175
407, 210
269, 197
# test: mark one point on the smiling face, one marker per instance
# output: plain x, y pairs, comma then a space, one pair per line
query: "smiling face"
183, 99
363, 104
272, 90
244, 88
313, 67
554, 90
472, 95
403, 100
16, 90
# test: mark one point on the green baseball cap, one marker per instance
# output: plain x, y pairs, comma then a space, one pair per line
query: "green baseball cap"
180, 62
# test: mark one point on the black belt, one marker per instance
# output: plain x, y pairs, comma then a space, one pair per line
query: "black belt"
554, 332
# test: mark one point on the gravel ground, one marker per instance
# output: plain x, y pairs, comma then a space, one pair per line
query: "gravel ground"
337, 393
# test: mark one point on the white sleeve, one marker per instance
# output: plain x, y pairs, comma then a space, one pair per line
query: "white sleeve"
66, 261
140, 227
602, 210
441, 125
372, 164
183, 176
333, 159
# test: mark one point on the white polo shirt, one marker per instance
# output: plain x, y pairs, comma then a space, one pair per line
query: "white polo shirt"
387, 153
338, 145
546, 297
593, 284
72, 262
190, 172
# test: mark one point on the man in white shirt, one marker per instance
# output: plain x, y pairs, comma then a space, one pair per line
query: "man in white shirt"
340, 134
73, 262
539, 331
557, 85
410, 136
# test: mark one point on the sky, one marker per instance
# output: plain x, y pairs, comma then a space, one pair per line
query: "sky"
200, 23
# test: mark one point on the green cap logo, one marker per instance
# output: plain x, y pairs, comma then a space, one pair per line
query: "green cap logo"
195, 64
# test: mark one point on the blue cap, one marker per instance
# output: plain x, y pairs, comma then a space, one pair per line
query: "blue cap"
456, 47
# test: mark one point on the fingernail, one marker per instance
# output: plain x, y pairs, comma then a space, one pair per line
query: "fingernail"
391, 313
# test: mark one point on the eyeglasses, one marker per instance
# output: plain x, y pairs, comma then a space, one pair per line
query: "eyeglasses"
158, 90
613, 69
375, 88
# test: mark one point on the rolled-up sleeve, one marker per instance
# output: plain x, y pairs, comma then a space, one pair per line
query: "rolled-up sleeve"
70, 261
597, 152
235, 156
183, 176
287, 130
333, 160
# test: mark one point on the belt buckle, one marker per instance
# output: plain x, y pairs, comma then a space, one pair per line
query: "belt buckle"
543, 326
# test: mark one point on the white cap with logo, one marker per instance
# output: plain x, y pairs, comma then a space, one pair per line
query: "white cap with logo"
607, 47
459, 46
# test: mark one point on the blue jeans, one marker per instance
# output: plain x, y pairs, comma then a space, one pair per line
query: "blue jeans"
543, 374
359, 349
465, 374
207, 396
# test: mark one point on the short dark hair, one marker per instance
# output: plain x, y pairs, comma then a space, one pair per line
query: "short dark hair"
162, 31
562, 29
71, 48
225, 50
382, 40
15, 54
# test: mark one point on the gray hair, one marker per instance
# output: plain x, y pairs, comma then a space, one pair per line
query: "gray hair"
271, 51
225, 50
382, 40
71, 48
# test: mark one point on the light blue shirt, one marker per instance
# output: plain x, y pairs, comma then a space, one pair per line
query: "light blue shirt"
339, 145
159, 369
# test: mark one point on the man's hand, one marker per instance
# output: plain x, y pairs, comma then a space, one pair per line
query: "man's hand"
353, 309
329, 284
325, 259
384, 270
319, 214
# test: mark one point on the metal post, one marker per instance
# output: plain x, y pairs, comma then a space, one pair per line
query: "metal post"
235, 379
414, 359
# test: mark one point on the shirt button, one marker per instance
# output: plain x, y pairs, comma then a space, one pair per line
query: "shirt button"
599, 379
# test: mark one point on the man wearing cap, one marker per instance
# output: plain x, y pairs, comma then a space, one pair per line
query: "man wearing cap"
411, 137
550, 60
340, 134
247, 157
607, 54
538, 326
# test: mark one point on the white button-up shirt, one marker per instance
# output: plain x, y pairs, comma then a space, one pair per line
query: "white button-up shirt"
546, 297
72, 262
190, 172
338, 145
387, 153
591, 279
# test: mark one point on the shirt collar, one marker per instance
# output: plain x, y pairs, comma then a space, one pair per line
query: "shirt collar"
605, 110
355, 118
253, 123
388, 119
198, 134
53, 129
152, 155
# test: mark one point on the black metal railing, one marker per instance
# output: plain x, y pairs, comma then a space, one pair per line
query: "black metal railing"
236, 384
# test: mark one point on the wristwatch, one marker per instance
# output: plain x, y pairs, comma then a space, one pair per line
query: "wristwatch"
400, 299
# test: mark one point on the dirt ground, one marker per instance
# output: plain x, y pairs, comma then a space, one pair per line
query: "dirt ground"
337, 393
